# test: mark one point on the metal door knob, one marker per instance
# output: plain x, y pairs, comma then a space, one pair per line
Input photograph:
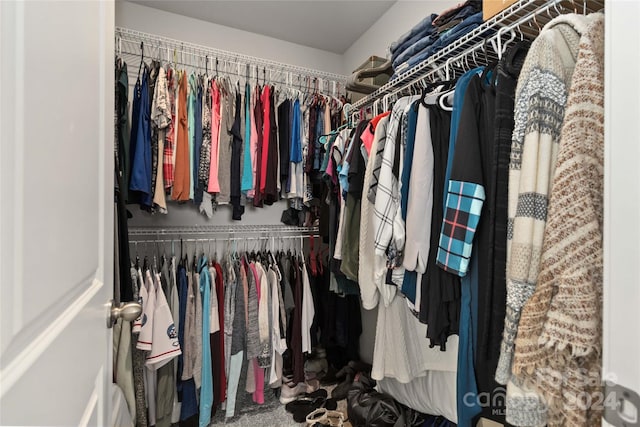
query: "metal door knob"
127, 311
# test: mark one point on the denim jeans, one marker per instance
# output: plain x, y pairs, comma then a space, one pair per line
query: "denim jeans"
416, 47
418, 31
421, 43
465, 27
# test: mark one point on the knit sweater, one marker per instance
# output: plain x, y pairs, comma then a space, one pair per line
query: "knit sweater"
541, 97
560, 333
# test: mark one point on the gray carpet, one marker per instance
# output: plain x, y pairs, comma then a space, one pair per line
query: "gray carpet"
250, 414
274, 417
270, 414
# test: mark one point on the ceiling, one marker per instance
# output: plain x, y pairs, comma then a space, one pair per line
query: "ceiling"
327, 24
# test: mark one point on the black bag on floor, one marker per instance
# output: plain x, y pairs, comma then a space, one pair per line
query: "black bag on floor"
368, 407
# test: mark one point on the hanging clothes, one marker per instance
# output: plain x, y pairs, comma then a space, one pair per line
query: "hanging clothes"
253, 144
258, 117
217, 344
206, 387
284, 137
247, 163
569, 288
166, 374
296, 155
122, 128
236, 161
182, 176
186, 384
205, 152
546, 75
416, 189
168, 162
214, 185
227, 114
271, 177
352, 204
237, 338
296, 337
386, 201
198, 141
140, 181
153, 79
123, 287
192, 94
265, 101
466, 379
161, 119
370, 288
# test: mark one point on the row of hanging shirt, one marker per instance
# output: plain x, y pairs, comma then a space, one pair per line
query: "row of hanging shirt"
211, 316
204, 139
445, 200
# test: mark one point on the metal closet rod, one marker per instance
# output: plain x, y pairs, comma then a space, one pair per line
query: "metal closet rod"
455, 58
276, 230
230, 239
168, 44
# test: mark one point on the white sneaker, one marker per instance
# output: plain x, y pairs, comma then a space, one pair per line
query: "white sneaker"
290, 392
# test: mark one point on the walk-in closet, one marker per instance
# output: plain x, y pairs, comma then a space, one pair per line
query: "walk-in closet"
320, 213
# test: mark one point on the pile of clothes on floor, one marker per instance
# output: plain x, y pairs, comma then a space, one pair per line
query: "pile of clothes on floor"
317, 400
434, 33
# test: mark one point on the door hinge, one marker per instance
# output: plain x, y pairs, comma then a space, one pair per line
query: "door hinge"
622, 406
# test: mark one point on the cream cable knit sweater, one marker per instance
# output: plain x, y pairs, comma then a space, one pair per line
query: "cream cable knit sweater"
541, 97
560, 333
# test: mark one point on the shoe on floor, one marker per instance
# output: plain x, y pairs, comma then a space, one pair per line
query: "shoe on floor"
340, 392
329, 377
305, 399
301, 408
316, 365
290, 391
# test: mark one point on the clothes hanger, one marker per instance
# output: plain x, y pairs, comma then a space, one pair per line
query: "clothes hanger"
575, 9
443, 97
432, 87
503, 48
535, 21
155, 257
141, 60
137, 264
119, 44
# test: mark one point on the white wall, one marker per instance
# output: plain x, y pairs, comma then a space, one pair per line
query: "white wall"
399, 19
621, 340
188, 214
146, 19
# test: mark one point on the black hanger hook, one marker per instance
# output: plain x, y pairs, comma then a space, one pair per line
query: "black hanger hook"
141, 58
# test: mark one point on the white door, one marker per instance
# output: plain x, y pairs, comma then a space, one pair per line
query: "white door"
622, 209
56, 196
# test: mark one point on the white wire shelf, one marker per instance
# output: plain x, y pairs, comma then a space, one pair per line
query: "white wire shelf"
128, 42
527, 16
